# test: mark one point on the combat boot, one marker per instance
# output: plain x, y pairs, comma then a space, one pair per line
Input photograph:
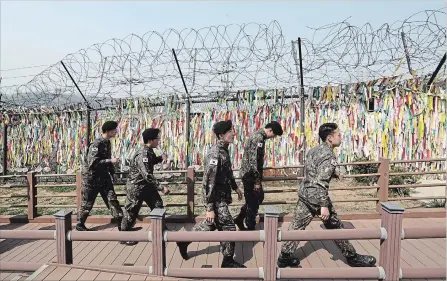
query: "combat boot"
81, 227
183, 249
285, 260
239, 222
362, 261
229, 262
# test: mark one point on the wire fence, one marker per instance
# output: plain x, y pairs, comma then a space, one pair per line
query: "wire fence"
219, 61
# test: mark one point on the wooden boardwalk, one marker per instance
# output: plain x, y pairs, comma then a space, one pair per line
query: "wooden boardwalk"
415, 253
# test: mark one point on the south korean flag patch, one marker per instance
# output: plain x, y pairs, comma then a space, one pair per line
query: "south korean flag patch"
94, 149
213, 162
145, 160
260, 144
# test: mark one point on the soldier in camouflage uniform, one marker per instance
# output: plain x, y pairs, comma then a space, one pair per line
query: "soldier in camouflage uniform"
97, 175
314, 200
251, 173
141, 184
218, 181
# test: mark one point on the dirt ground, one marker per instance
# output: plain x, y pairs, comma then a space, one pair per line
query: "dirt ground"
290, 196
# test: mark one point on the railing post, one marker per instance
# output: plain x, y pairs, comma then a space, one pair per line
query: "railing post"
390, 248
32, 192
78, 190
271, 215
158, 244
190, 185
384, 178
63, 245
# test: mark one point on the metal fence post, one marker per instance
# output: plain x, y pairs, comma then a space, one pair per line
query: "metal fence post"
390, 248
32, 192
271, 215
158, 244
63, 245
190, 183
383, 181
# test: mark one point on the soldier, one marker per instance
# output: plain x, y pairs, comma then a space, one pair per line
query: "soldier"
251, 173
141, 184
97, 176
218, 181
320, 167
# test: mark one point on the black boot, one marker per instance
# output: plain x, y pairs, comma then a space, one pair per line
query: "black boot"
81, 227
239, 222
229, 262
362, 261
285, 260
183, 249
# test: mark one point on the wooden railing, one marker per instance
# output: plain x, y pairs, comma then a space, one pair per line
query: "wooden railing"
390, 234
33, 184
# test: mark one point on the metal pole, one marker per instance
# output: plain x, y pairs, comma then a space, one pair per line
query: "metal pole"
68, 72
5, 148
187, 113
433, 76
407, 55
88, 128
302, 104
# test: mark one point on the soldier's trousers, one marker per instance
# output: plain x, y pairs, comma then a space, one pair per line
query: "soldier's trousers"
250, 209
90, 192
134, 201
304, 214
223, 221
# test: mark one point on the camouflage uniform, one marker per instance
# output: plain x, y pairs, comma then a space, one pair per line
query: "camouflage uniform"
218, 181
141, 186
252, 173
97, 178
320, 167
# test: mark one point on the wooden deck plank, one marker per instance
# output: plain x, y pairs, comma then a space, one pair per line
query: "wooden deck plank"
102, 255
10, 246
73, 274
58, 273
137, 249
121, 277
105, 276
24, 247
137, 278
88, 275
42, 275
88, 250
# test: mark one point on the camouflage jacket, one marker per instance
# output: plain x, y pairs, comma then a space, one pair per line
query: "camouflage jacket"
218, 179
141, 173
319, 169
98, 164
253, 159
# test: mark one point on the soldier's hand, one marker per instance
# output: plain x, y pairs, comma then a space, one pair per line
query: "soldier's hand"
240, 195
324, 213
163, 156
210, 216
115, 160
166, 190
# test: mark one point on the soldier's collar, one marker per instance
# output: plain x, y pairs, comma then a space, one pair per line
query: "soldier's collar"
222, 144
263, 134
